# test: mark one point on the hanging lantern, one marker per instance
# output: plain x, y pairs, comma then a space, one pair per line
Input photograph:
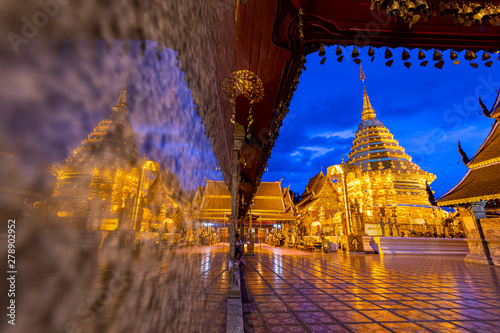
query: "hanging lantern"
388, 53
355, 52
421, 55
437, 55
338, 51
321, 51
405, 55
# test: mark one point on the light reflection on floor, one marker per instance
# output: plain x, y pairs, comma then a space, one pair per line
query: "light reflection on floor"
292, 292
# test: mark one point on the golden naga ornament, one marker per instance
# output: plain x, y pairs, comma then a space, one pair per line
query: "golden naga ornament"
249, 84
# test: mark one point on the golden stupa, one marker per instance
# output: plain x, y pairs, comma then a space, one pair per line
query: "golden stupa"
382, 184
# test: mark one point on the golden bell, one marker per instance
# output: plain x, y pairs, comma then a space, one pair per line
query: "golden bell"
405, 55
454, 9
478, 18
437, 55
486, 56
469, 55
487, 14
421, 55
467, 11
394, 9
476, 7
444, 9
321, 52
371, 52
453, 55
355, 52
410, 6
420, 5
388, 53
386, 3
338, 51
408, 17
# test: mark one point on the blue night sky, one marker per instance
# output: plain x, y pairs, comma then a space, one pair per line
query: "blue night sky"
426, 109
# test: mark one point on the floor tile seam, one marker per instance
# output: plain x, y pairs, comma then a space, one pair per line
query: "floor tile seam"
294, 313
290, 310
256, 304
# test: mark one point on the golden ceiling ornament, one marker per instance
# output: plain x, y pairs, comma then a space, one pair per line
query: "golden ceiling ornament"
249, 84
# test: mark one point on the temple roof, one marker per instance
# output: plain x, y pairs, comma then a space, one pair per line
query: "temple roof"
480, 183
489, 150
314, 189
269, 201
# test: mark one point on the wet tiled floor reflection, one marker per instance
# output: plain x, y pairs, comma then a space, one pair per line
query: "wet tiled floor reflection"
292, 291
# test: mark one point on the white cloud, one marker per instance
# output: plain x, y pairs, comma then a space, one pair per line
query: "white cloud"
317, 151
345, 134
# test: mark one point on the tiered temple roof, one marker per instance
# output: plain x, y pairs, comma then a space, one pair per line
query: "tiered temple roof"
270, 202
480, 183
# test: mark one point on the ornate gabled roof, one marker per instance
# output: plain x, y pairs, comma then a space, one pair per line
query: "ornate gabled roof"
481, 181
489, 152
113, 138
268, 201
311, 185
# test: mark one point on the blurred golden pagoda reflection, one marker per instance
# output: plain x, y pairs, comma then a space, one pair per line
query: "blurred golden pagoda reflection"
105, 186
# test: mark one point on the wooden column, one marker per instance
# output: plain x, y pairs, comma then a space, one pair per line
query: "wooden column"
239, 138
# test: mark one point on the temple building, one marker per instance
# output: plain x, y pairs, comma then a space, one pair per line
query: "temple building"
477, 195
385, 193
106, 185
272, 207
319, 207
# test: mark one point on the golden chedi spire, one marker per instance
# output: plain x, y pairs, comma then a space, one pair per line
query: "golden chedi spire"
367, 112
121, 103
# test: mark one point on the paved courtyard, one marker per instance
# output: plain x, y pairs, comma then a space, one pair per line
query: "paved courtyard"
293, 291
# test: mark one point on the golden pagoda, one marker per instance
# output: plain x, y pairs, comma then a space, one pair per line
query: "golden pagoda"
382, 184
319, 206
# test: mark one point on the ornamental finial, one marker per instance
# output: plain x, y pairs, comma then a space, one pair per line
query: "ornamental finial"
362, 74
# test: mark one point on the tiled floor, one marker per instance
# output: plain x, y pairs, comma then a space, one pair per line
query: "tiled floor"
299, 292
